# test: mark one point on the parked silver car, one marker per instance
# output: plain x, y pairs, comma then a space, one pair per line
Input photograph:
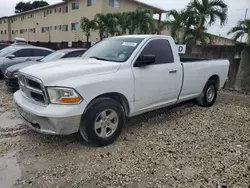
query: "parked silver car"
16, 54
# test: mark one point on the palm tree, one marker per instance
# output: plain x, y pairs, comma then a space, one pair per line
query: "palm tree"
181, 19
110, 23
192, 36
86, 26
205, 13
241, 29
143, 20
100, 20
122, 20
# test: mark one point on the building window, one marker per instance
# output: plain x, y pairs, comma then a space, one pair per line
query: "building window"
0, 21
55, 10
1, 32
114, 3
65, 9
44, 14
91, 3
43, 29
60, 9
47, 12
4, 21
65, 27
56, 27
75, 5
50, 11
74, 26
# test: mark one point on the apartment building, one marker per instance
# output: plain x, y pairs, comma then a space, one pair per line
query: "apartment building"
60, 22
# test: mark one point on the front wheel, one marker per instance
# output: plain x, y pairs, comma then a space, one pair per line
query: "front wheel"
104, 122
208, 95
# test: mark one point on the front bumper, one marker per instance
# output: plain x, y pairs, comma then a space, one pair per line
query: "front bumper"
50, 119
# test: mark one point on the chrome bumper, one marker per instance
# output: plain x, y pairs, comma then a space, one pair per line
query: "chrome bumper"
51, 119
46, 125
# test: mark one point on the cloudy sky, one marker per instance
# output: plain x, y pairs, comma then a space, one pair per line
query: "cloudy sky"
236, 11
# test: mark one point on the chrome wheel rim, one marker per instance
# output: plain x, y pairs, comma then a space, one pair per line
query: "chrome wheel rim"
210, 93
106, 123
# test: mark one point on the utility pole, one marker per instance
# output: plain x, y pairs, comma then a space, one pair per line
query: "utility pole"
243, 30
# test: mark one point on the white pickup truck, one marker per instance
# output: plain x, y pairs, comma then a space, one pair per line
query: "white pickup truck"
117, 78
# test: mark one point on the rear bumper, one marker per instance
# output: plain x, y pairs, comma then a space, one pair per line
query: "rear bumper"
51, 119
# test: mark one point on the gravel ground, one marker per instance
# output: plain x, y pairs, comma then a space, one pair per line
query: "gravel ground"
183, 146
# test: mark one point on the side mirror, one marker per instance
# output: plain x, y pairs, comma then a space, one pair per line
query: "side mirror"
145, 60
12, 56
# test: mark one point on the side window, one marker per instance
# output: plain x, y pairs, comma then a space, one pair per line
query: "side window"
161, 49
74, 54
23, 53
40, 52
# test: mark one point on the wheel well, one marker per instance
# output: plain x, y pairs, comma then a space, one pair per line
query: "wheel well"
120, 98
216, 79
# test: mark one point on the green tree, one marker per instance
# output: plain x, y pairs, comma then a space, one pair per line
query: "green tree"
241, 29
177, 20
100, 20
22, 6
122, 21
38, 4
143, 21
87, 26
204, 13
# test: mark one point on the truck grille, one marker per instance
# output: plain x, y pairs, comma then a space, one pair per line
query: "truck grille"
32, 88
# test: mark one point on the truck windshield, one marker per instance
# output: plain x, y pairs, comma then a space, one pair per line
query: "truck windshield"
53, 56
113, 49
6, 51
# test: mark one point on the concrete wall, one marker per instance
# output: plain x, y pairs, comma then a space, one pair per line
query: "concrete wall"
242, 82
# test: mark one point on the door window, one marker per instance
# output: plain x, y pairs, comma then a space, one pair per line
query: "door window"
161, 49
40, 52
23, 53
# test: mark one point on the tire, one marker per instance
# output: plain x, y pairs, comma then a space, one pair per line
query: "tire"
206, 99
105, 115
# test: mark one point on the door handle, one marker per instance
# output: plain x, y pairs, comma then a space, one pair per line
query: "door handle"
172, 71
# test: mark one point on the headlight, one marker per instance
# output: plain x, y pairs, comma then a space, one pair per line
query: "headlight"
59, 95
15, 74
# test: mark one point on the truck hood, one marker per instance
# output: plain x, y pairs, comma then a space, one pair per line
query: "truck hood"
53, 73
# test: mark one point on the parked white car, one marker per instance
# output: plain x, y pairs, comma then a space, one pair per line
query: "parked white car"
117, 78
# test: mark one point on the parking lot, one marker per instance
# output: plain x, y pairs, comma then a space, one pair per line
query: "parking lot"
183, 146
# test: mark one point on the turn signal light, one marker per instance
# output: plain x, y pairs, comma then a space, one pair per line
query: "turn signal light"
74, 100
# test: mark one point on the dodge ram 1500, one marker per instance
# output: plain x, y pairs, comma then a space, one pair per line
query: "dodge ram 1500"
115, 79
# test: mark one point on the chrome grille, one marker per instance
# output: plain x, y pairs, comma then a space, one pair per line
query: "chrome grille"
32, 88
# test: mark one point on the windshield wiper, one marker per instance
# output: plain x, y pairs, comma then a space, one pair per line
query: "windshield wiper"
99, 58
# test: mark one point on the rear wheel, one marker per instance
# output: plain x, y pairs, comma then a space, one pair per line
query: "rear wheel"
103, 122
208, 95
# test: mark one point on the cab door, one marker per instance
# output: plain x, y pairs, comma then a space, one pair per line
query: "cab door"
157, 84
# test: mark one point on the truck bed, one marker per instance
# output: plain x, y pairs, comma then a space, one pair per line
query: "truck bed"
191, 60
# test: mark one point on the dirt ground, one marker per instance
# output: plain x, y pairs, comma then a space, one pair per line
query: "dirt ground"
183, 146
